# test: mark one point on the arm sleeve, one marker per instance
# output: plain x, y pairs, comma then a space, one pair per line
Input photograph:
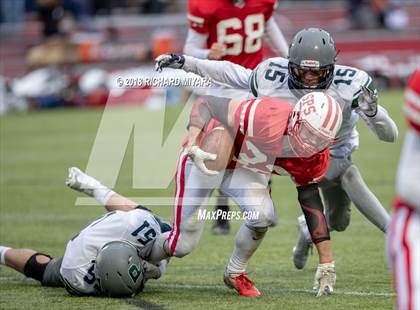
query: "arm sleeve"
275, 38
312, 208
221, 72
381, 124
194, 45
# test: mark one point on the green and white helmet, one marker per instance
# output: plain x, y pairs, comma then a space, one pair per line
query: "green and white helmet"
119, 269
312, 49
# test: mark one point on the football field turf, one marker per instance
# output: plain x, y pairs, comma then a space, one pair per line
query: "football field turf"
37, 211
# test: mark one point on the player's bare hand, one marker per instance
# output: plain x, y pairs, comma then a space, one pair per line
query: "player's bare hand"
199, 156
169, 61
368, 101
325, 278
217, 51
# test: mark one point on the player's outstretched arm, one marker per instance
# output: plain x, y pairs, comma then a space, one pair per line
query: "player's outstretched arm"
313, 209
221, 72
88, 185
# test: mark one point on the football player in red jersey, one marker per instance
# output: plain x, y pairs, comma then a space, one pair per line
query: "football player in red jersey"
271, 136
404, 232
232, 30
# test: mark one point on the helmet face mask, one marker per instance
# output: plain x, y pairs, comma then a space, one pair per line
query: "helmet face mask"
312, 57
311, 78
306, 141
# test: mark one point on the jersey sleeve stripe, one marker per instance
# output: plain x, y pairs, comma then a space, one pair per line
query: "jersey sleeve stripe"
242, 119
251, 117
253, 83
195, 19
412, 108
412, 114
330, 107
247, 109
368, 82
413, 98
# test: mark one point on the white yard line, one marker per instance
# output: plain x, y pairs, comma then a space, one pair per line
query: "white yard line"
271, 290
222, 287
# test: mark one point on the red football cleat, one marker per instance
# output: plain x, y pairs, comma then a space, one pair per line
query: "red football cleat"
242, 284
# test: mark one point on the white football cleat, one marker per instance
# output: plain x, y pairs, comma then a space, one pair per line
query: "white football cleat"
81, 182
304, 243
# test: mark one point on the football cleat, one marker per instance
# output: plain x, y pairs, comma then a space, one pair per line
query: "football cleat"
304, 243
242, 284
82, 182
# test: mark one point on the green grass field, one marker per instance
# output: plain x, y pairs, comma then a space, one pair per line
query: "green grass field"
37, 211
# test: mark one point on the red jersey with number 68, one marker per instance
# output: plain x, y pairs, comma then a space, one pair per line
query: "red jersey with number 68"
261, 126
240, 28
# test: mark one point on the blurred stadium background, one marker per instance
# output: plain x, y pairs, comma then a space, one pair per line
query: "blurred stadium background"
77, 44
62, 54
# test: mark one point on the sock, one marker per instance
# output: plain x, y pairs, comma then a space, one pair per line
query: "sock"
103, 194
246, 243
3, 250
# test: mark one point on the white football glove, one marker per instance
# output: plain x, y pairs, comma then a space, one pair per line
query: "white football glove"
368, 101
169, 61
325, 277
199, 156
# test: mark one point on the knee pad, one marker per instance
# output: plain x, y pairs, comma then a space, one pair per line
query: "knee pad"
33, 269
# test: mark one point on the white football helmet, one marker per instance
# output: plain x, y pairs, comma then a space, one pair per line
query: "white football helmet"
314, 124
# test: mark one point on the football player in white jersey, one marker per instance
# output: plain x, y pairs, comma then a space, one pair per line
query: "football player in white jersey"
309, 67
115, 244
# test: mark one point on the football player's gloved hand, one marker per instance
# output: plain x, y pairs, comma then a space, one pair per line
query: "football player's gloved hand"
169, 61
325, 277
368, 101
199, 156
